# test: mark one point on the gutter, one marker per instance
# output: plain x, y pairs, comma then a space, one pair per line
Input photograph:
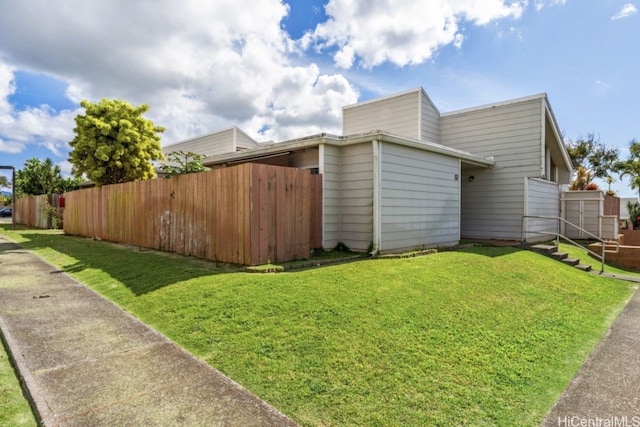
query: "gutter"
377, 206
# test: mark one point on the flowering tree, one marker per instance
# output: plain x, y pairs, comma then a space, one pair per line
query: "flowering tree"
114, 143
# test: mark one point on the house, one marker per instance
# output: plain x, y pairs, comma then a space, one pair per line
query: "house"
404, 175
221, 142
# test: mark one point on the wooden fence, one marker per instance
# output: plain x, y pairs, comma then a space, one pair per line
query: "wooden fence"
611, 206
35, 211
248, 214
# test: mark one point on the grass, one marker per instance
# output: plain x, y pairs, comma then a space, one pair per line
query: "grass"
14, 409
586, 258
481, 336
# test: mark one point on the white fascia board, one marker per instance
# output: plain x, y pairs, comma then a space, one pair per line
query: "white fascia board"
437, 148
383, 98
497, 104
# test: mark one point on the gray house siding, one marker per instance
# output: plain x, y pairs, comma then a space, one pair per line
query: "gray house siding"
429, 120
397, 115
213, 144
330, 167
420, 199
243, 141
543, 199
493, 201
410, 114
356, 190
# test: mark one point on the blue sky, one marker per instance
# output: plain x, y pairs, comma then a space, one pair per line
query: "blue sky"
283, 69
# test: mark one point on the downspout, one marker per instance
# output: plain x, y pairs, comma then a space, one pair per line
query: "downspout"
543, 148
376, 198
525, 211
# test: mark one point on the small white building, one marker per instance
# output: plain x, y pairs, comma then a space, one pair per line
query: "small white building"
405, 176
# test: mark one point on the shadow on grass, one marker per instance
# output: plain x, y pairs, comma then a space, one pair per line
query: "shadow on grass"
140, 270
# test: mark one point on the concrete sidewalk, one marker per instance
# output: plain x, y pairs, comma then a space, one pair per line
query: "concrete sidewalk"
86, 362
606, 389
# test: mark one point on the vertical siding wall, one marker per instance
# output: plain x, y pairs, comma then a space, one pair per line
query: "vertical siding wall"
247, 214
543, 199
356, 196
420, 199
331, 166
493, 204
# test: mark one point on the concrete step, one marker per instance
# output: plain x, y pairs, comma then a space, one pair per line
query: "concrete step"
548, 249
552, 251
571, 261
559, 255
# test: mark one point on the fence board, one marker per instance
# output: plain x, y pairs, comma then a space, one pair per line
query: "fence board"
611, 206
246, 214
32, 210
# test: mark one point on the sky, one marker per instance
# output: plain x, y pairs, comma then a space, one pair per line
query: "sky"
283, 69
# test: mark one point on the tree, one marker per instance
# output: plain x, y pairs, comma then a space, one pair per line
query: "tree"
583, 180
42, 177
610, 180
631, 165
4, 182
596, 159
634, 214
114, 143
180, 162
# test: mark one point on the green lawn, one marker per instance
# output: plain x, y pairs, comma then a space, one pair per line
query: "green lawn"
482, 336
14, 409
596, 264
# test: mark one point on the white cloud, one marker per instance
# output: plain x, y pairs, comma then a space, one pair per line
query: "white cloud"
627, 10
201, 66
204, 66
401, 32
38, 125
541, 4
7, 88
65, 167
11, 147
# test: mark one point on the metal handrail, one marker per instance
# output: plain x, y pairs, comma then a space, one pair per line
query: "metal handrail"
560, 235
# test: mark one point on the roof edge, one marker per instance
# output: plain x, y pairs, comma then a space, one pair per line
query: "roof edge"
384, 98
542, 95
324, 138
194, 138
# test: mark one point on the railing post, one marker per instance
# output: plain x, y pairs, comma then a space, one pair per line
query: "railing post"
559, 235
